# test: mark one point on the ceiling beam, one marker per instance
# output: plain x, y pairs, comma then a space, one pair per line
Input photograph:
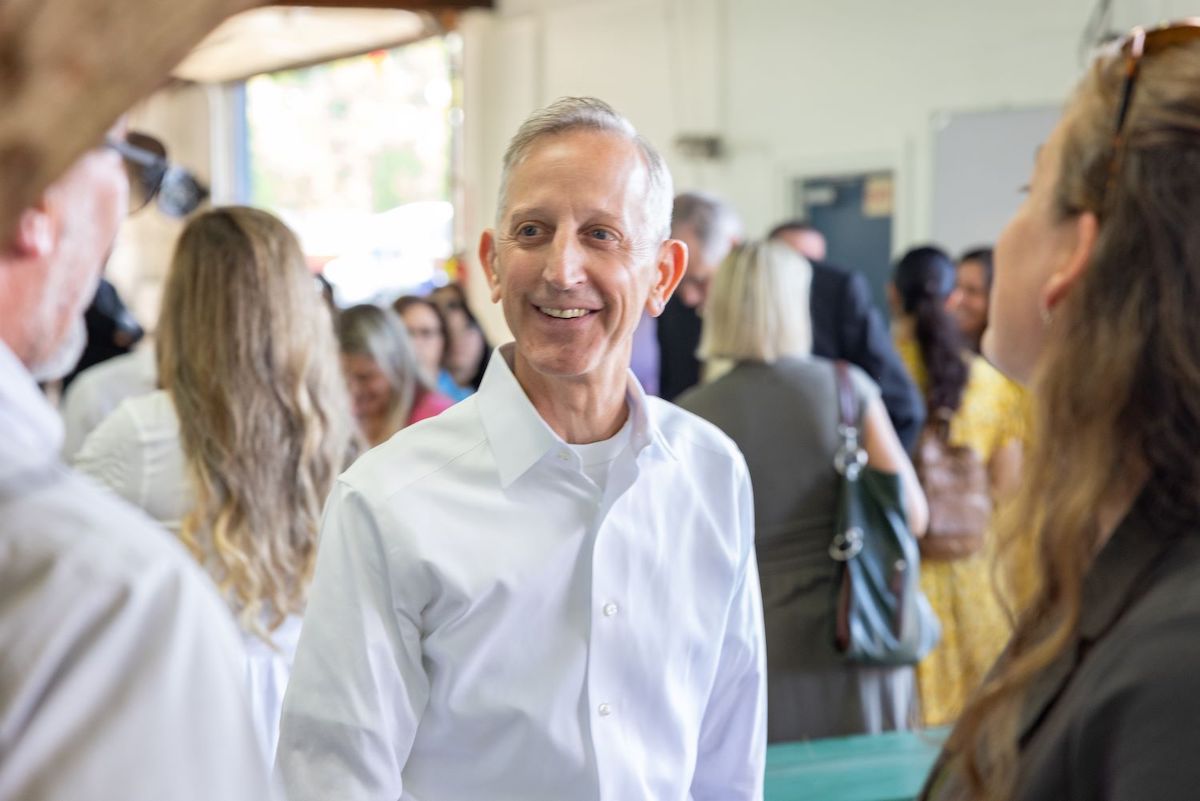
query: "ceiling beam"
407, 5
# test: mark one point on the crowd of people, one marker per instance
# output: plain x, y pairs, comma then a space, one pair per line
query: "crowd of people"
367, 551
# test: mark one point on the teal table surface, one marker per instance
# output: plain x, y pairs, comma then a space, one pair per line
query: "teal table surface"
875, 767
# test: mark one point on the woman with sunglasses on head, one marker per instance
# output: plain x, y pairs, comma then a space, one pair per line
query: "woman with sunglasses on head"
239, 449
1095, 305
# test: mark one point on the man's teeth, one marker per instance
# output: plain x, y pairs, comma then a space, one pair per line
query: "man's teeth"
564, 314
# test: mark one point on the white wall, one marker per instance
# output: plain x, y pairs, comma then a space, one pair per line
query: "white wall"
793, 87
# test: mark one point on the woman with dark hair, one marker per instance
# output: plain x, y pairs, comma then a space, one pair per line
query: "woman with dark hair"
968, 302
428, 334
976, 401
467, 349
1095, 306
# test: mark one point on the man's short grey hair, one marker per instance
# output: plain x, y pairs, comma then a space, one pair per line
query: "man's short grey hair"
590, 114
713, 221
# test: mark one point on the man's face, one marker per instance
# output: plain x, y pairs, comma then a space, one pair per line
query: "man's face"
61, 249
573, 260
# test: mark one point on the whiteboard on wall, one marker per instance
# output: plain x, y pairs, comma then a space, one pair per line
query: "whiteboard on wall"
981, 159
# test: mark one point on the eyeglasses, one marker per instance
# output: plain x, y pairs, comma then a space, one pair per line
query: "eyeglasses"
1139, 44
153, 177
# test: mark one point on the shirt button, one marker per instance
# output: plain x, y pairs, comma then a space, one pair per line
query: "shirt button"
610, 609
605, 710
563, 456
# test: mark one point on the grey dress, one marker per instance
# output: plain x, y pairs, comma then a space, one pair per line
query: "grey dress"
784, 418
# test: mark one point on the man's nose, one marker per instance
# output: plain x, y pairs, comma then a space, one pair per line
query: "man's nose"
564, 266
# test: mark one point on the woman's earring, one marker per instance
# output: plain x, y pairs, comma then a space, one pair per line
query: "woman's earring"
1047, 315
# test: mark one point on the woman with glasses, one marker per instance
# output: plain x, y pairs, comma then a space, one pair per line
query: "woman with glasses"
388, 386
427, 332
1095, 306
239, 449
780, 405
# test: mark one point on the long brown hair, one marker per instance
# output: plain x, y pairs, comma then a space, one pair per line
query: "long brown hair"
248, 356
1117, 389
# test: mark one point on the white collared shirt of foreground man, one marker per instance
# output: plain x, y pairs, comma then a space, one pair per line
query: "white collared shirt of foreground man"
487, 620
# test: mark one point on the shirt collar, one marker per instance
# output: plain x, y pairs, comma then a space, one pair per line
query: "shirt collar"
31, 432
518, 434
1118, 571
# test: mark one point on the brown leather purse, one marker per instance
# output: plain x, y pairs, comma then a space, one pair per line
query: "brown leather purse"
956, 484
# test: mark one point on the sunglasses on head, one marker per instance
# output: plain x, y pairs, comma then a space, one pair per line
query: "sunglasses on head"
152, 177
1137, 46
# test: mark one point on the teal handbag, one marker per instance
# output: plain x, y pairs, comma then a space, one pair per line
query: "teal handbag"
883, 618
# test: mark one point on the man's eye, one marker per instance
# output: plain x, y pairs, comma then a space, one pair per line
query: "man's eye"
600, 233
527, 230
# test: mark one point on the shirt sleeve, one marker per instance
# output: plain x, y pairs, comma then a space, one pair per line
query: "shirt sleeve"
733, 733
112, 455
127, 689
358, 687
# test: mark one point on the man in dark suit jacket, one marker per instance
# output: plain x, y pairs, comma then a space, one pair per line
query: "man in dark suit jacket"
710, 228
846, 325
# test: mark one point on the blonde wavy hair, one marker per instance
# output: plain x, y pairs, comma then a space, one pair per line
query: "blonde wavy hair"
247, 354
1135, 421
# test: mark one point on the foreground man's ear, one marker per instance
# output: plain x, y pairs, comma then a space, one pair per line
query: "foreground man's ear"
487, 258
669, 271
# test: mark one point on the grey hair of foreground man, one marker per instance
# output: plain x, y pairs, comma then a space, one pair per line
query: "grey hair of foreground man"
590, 114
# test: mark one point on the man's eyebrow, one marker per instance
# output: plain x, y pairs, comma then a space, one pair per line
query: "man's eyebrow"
539, 212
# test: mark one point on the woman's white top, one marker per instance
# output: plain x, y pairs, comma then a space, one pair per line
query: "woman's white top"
136, 452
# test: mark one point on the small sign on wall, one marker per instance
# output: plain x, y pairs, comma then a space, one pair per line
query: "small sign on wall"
878, 196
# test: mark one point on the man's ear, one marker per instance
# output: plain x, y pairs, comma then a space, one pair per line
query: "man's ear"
668, 272
1080, 247
33, 235
487, 258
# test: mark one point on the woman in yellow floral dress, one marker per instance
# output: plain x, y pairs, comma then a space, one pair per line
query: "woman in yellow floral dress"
988, 417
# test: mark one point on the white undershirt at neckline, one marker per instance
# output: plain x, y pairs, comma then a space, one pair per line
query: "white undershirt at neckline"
597, 457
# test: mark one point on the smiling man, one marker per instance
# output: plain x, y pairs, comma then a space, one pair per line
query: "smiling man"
549, 591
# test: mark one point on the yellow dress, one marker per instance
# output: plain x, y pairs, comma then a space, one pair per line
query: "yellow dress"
974, 625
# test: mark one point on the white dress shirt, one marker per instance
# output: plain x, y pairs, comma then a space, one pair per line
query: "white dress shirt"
137, 453
120, 669
486, 623
98, 390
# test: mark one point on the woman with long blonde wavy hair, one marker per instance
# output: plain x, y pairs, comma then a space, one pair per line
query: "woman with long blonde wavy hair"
239, 449
1096, 304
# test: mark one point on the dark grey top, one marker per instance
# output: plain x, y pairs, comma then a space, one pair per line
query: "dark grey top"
783, 416
1117, 716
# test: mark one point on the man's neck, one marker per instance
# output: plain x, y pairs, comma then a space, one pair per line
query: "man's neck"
580, 410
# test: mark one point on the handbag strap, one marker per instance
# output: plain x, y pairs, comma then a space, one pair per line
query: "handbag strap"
847, 401
850, 457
